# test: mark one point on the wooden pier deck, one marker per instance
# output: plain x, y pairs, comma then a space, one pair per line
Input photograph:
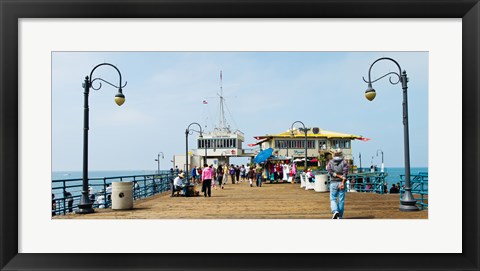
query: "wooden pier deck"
271, 201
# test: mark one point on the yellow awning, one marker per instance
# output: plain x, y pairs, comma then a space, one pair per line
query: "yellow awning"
321, 134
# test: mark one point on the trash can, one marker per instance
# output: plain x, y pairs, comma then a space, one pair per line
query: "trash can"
321, 183
302, 180
190, 190
122, 195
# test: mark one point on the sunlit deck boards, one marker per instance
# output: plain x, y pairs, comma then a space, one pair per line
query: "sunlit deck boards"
271, 201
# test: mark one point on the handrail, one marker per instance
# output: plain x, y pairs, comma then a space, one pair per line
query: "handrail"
148, 185
374, 182
419, 186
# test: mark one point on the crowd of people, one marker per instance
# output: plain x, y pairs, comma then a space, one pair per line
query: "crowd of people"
210, 177
280, 170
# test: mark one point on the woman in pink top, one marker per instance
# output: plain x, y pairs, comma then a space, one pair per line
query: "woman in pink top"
293, 172
207, 176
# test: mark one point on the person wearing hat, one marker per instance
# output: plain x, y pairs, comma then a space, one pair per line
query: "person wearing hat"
337, 170
178, 184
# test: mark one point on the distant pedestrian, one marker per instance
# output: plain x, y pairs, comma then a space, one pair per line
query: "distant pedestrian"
108, 191
199, 169
243, 173
237, 174
220, 176
337, 169
214, 177
69, 198
251, 176
54, 205
393, 189
225, 175
100, 200
259, 171
136, 190
91, 194
194, 173
207, 175
310, 176
177, 171
293, 172
231, 172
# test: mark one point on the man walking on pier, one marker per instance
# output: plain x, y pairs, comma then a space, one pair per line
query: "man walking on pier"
259, 171
337, 169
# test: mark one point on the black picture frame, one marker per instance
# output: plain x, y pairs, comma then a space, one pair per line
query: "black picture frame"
11, 11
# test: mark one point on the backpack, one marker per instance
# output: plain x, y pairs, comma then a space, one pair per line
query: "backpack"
338, 168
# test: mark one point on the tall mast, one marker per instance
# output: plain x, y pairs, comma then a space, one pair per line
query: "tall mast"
222, 122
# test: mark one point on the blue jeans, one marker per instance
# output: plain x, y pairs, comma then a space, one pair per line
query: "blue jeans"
335, 193
259, 179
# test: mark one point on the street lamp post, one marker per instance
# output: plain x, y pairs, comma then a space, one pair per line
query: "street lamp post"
360, 158
379, 150
407, 202
187, 132
85, 205
305, 130
158, 162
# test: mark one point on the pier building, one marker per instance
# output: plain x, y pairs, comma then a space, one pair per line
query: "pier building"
320, 145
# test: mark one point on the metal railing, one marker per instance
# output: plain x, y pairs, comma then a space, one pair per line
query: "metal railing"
419, 185
144, 186
373, 182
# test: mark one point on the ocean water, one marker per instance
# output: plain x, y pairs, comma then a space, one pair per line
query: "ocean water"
57, 175
394, 173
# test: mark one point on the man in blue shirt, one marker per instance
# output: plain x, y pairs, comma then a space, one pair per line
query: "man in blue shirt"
194, 174
337, 170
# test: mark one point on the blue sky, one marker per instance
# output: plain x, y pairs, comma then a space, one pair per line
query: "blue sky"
266, 92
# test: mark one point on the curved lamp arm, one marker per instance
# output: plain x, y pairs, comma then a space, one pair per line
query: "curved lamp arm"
379, 150
397, 74
120, 86
304, 128
194, 123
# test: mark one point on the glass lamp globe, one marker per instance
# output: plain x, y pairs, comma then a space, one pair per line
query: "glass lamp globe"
119, 98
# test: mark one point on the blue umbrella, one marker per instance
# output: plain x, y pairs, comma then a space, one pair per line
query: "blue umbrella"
263, 155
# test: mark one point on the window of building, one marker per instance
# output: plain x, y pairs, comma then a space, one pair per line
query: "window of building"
322, 144
341, 143
294, 144
311, 144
